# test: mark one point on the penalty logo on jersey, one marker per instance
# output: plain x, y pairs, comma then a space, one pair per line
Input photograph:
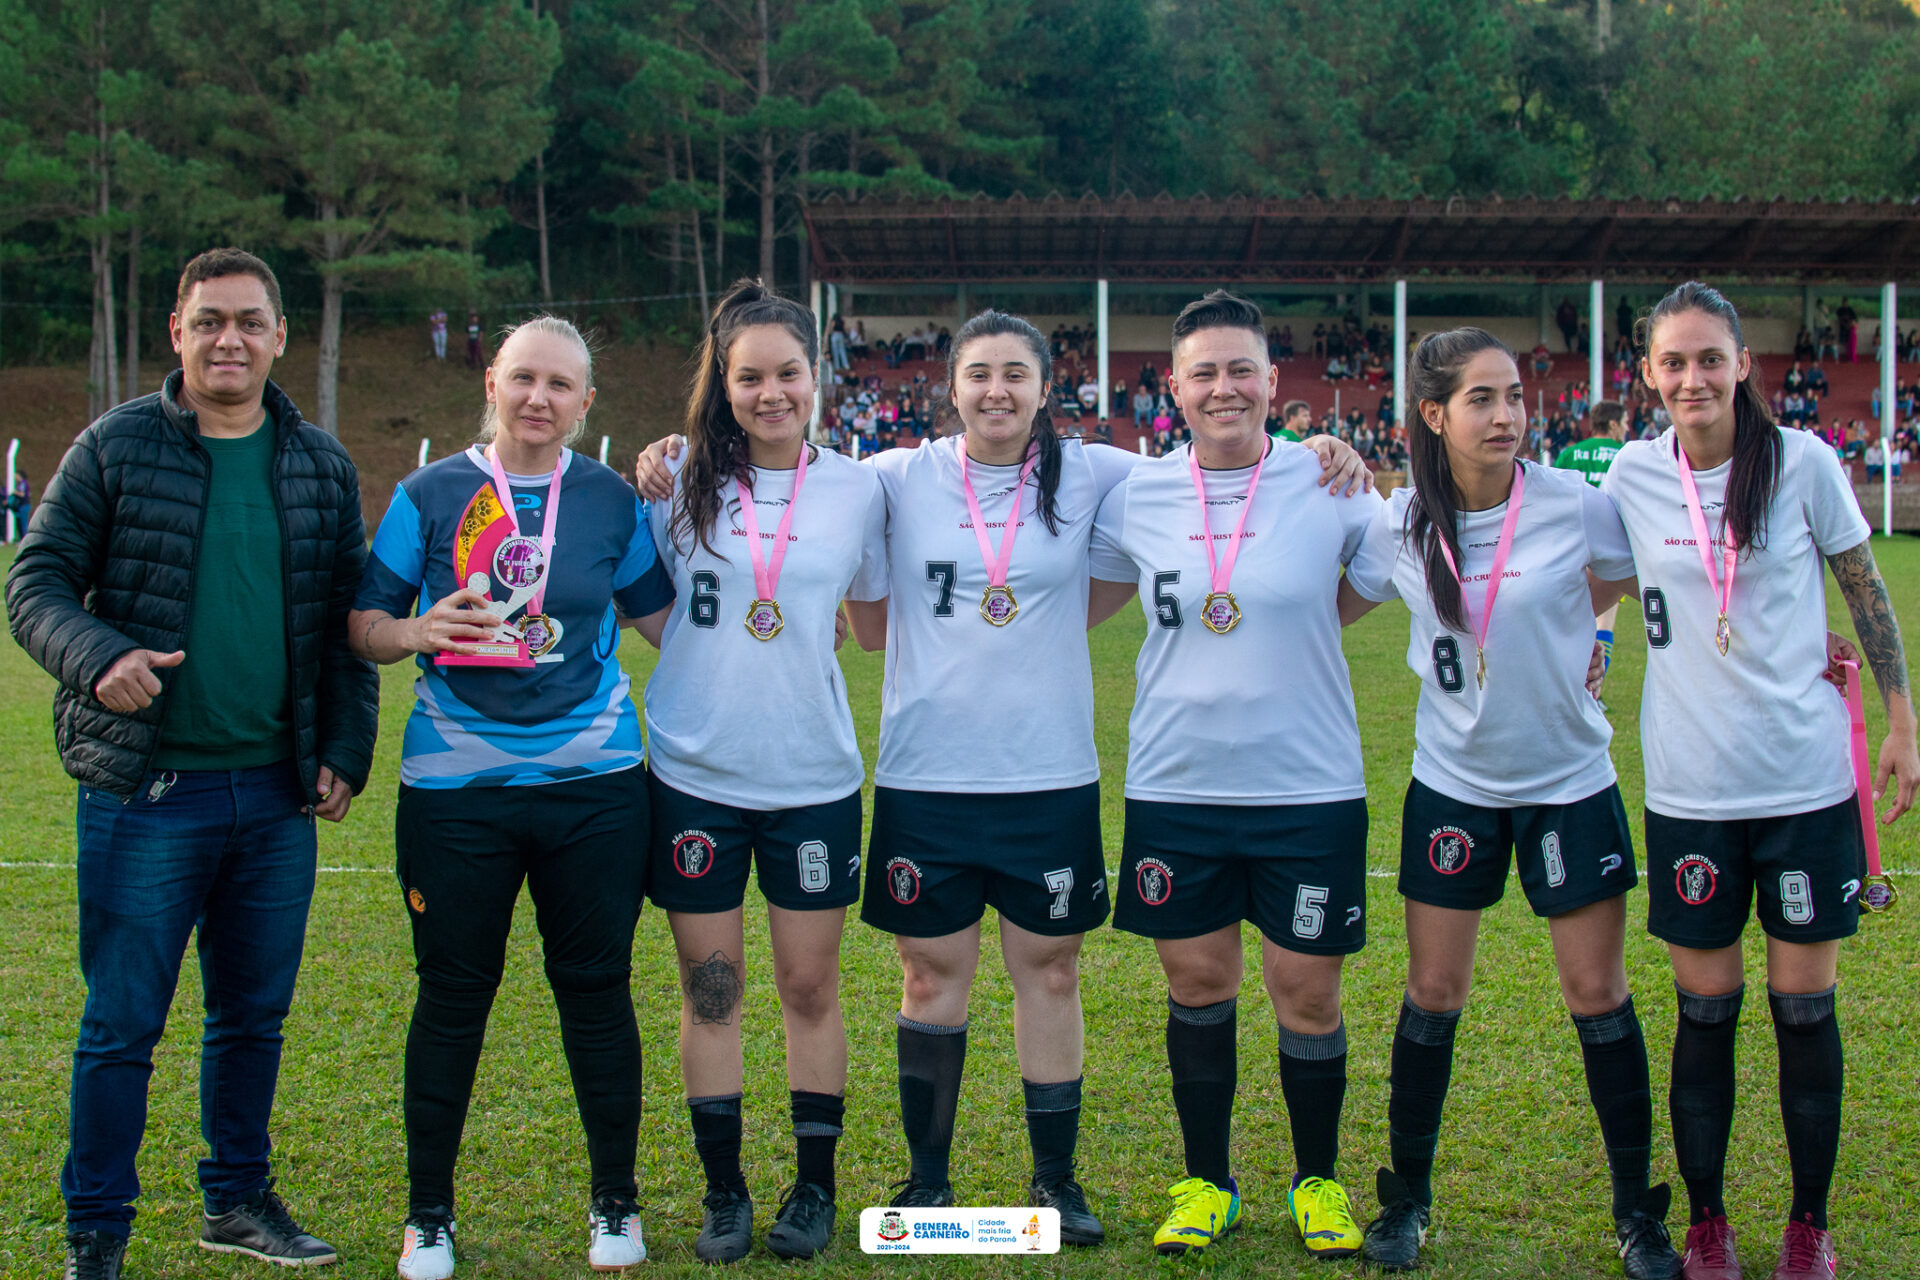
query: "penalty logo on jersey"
903, 881
693, 854
1154, 880
1694, 879
1449, 849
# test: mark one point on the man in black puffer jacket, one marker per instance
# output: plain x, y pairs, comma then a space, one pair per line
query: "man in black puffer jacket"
187, 579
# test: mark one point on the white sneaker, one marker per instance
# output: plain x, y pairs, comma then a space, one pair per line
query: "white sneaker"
615, 1242
426, 1249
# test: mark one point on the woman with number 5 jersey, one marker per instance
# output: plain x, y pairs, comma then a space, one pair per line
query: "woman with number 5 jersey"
1510, 761
751, 753
1750, 791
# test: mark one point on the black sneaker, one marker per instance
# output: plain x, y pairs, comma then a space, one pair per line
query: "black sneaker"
262, 1228
1078, 1226
726, 1228
1393, 1239
95, 1255
915, 1194
804, 1224
1646, 1251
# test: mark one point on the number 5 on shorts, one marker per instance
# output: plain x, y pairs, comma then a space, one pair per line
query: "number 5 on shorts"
1308, 918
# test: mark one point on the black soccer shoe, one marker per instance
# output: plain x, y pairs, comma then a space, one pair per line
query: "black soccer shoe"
915, 1194
1646, 1251
726, 1226
1393, 1239
805, 1223
1078, 1226
261, 1227
95, 1255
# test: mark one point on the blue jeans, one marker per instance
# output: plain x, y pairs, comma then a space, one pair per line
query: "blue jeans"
228, 853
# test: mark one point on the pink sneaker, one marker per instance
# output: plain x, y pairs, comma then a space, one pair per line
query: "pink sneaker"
1708, 1252
1806, 1253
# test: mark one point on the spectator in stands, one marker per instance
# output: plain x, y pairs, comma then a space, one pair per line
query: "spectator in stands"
1583, 339
1336, 369
1622, 377
837, 344
1150, 378
1142, 407
1829, 346
1623, 325
1319, 342
1567, 316
1385, 411
476, 348
19, 505
1296, 420
943, 342
1849, 321
1875, 465
1542, 360
1286, 341
1817, 383
1089, 396
1803, 345
857, 341
1376, 369
1796, 379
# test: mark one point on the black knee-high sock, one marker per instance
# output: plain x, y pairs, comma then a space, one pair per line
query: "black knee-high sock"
602, 1044
1053, 1128
1700, 1098
1615, 1053
716, 1139
932, 1058
817, 1121
1812, 1071
1203, 1057
1313, 1079
443, 1050
1417, 1094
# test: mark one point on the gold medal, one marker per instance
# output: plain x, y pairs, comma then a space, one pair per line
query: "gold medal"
1877, 893
540, 632
1220, 611
1480, 667
1723, 635
998, 606
764, 620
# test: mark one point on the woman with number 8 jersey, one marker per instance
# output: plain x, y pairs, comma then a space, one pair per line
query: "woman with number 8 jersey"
1750, 792
1493, 557
751, 753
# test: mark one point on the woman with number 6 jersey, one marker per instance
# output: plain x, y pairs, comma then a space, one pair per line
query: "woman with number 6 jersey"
1493, 558
751, 754
1750, 791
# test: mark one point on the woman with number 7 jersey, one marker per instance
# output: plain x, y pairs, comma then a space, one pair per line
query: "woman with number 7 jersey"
1493, 558
1749, 787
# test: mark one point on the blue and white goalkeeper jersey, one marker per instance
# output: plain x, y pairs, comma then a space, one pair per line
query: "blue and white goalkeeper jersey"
568, 716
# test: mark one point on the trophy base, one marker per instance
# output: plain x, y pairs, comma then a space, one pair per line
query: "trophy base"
489, 653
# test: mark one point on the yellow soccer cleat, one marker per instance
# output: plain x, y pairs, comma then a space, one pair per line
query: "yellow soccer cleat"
1202, 1213
1325, 1219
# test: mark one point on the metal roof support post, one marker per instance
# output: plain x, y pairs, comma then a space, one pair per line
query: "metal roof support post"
1101, 336
1546, 310
1889, 322
821, 370
1596, 345
1399, 353
1806, 311
833, 303
962, 311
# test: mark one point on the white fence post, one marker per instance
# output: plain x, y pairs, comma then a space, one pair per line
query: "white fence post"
423, 453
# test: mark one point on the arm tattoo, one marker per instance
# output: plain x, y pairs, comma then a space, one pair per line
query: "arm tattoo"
1873, 619
713, 989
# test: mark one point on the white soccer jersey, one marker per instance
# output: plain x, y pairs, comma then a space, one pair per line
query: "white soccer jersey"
1534, 735
968, 706
1264, 713
1757, 733
764, 724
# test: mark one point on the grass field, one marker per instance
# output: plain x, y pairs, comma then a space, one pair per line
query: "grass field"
1522, 1188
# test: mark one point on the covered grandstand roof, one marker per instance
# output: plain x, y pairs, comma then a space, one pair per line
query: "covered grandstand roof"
1253, 241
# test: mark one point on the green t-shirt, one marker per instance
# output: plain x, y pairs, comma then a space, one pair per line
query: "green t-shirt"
1591, 457
229, 703
1284, 434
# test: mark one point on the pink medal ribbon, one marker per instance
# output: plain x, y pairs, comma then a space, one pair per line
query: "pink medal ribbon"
1877, 892
1220, 611
530, 561
764, 619
997, 604
1500, 552
1722, 589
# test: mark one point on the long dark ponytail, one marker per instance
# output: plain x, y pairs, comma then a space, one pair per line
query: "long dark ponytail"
992, 324
716, 443
1755, 475
1433, 514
